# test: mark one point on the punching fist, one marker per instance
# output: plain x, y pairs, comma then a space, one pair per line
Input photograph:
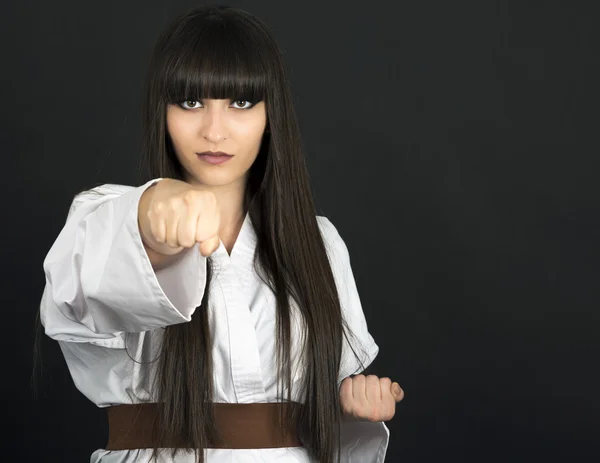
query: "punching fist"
174, 215
369, 398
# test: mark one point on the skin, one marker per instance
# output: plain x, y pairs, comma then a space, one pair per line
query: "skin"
233, 127
369, 398
237, 128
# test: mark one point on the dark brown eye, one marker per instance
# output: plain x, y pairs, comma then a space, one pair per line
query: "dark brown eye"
245, 104
189, 104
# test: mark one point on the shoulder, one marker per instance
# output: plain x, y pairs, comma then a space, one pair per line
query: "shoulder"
100, 194
329, 232
106, 189
334, 243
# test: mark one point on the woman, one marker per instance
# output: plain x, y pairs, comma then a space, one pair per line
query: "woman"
210, 308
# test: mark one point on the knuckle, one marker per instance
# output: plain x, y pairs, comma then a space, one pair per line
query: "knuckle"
189, 197
360, 411
158, 237
155, 234
157, 207
346, 407
386, 414
173, 204
371, 414
186, 241
208, 199
211, 198
193, 197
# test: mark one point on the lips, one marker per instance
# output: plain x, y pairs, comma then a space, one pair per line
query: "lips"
214, 153
214, 157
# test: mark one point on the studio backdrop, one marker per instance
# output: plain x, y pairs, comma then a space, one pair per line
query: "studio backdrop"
452, 144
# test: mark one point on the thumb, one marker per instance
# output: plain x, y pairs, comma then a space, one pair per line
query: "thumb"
210, 245
397, 392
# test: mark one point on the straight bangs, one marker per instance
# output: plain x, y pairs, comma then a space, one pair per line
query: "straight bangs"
222, 61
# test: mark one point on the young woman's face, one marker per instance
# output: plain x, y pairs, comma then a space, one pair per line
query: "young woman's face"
232, 127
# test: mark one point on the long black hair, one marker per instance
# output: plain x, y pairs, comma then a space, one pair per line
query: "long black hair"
227, 53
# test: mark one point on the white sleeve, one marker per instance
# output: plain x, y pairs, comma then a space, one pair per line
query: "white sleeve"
362, 342
99, 280
361, 441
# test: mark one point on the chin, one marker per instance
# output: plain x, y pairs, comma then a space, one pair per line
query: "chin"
213, 179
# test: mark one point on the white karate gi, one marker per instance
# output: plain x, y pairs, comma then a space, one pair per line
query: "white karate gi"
100, 285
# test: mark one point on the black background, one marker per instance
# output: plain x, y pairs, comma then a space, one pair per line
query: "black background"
454, 146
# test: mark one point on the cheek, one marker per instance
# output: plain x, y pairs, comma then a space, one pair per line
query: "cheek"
178, 130
252, 126
172, 128
253, 131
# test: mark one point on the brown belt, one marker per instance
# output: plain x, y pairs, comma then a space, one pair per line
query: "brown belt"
241, 426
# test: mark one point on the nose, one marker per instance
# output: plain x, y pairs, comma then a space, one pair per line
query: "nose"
214, 124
